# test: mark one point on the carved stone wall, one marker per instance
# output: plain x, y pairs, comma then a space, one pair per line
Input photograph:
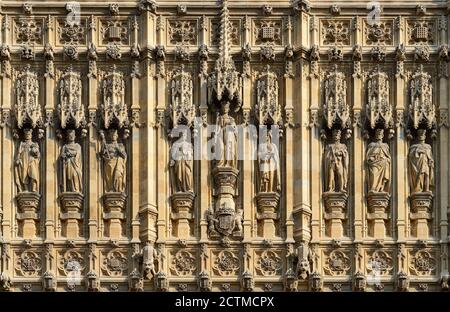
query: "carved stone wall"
98, 193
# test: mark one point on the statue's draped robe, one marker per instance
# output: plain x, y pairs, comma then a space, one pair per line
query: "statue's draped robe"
378, 167
72, 167
181, 165
27, 170
420, 167
227, 143
115, 160
336, 167
269, 168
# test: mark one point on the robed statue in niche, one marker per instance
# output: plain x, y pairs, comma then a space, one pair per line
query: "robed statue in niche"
336, 164
181, 164
114, 163
420, 165
27, 164
226, 138
72, 164
378, 160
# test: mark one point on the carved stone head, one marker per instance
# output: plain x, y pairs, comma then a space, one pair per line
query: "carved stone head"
225, 108
71, 135
379, 134
28, 134
421, 135
336, 136
113, 135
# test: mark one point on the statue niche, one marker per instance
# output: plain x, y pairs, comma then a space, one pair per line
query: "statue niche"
268, 197
114, 158
378, 166
72, 185
181, 173
225, 146
336, 181
421, 181
27, 179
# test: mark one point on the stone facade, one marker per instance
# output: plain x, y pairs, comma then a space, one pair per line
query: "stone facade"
95, 195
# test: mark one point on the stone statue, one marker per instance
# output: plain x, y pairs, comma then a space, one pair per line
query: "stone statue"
72, 164
149, 255
115, 161
27, 164
336, 164
378, 164
269, 166
239, 216
420, 165
181, 164
226, 144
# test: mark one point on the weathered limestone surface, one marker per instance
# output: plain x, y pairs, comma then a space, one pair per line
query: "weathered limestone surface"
105, 109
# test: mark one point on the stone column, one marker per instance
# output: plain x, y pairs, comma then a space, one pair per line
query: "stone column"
49, 182
400, 150
135, 159
150, 227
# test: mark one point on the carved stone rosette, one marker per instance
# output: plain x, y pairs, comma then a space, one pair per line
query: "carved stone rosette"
28, 204
378, 203
72, 207
267, 203
182, 204
335, 212
421, 215
114, 203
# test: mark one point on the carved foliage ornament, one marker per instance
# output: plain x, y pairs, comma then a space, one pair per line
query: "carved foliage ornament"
71, 263
114, 107
422, 263
182, 32
269, 263
335, 32
183, 263
181, 88
337, 263
268, 107
115, 263
421, 107
29, 264
380, 263
379, 33
71, 33
336, 109
226, 263
378, 104
27, 98
71, 108
28, 31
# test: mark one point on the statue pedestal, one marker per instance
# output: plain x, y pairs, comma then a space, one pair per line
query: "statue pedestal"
182, 204
225, 179
377, 203
420, 214
114, 206
28, 204
72, 206
335, 207
267, 205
